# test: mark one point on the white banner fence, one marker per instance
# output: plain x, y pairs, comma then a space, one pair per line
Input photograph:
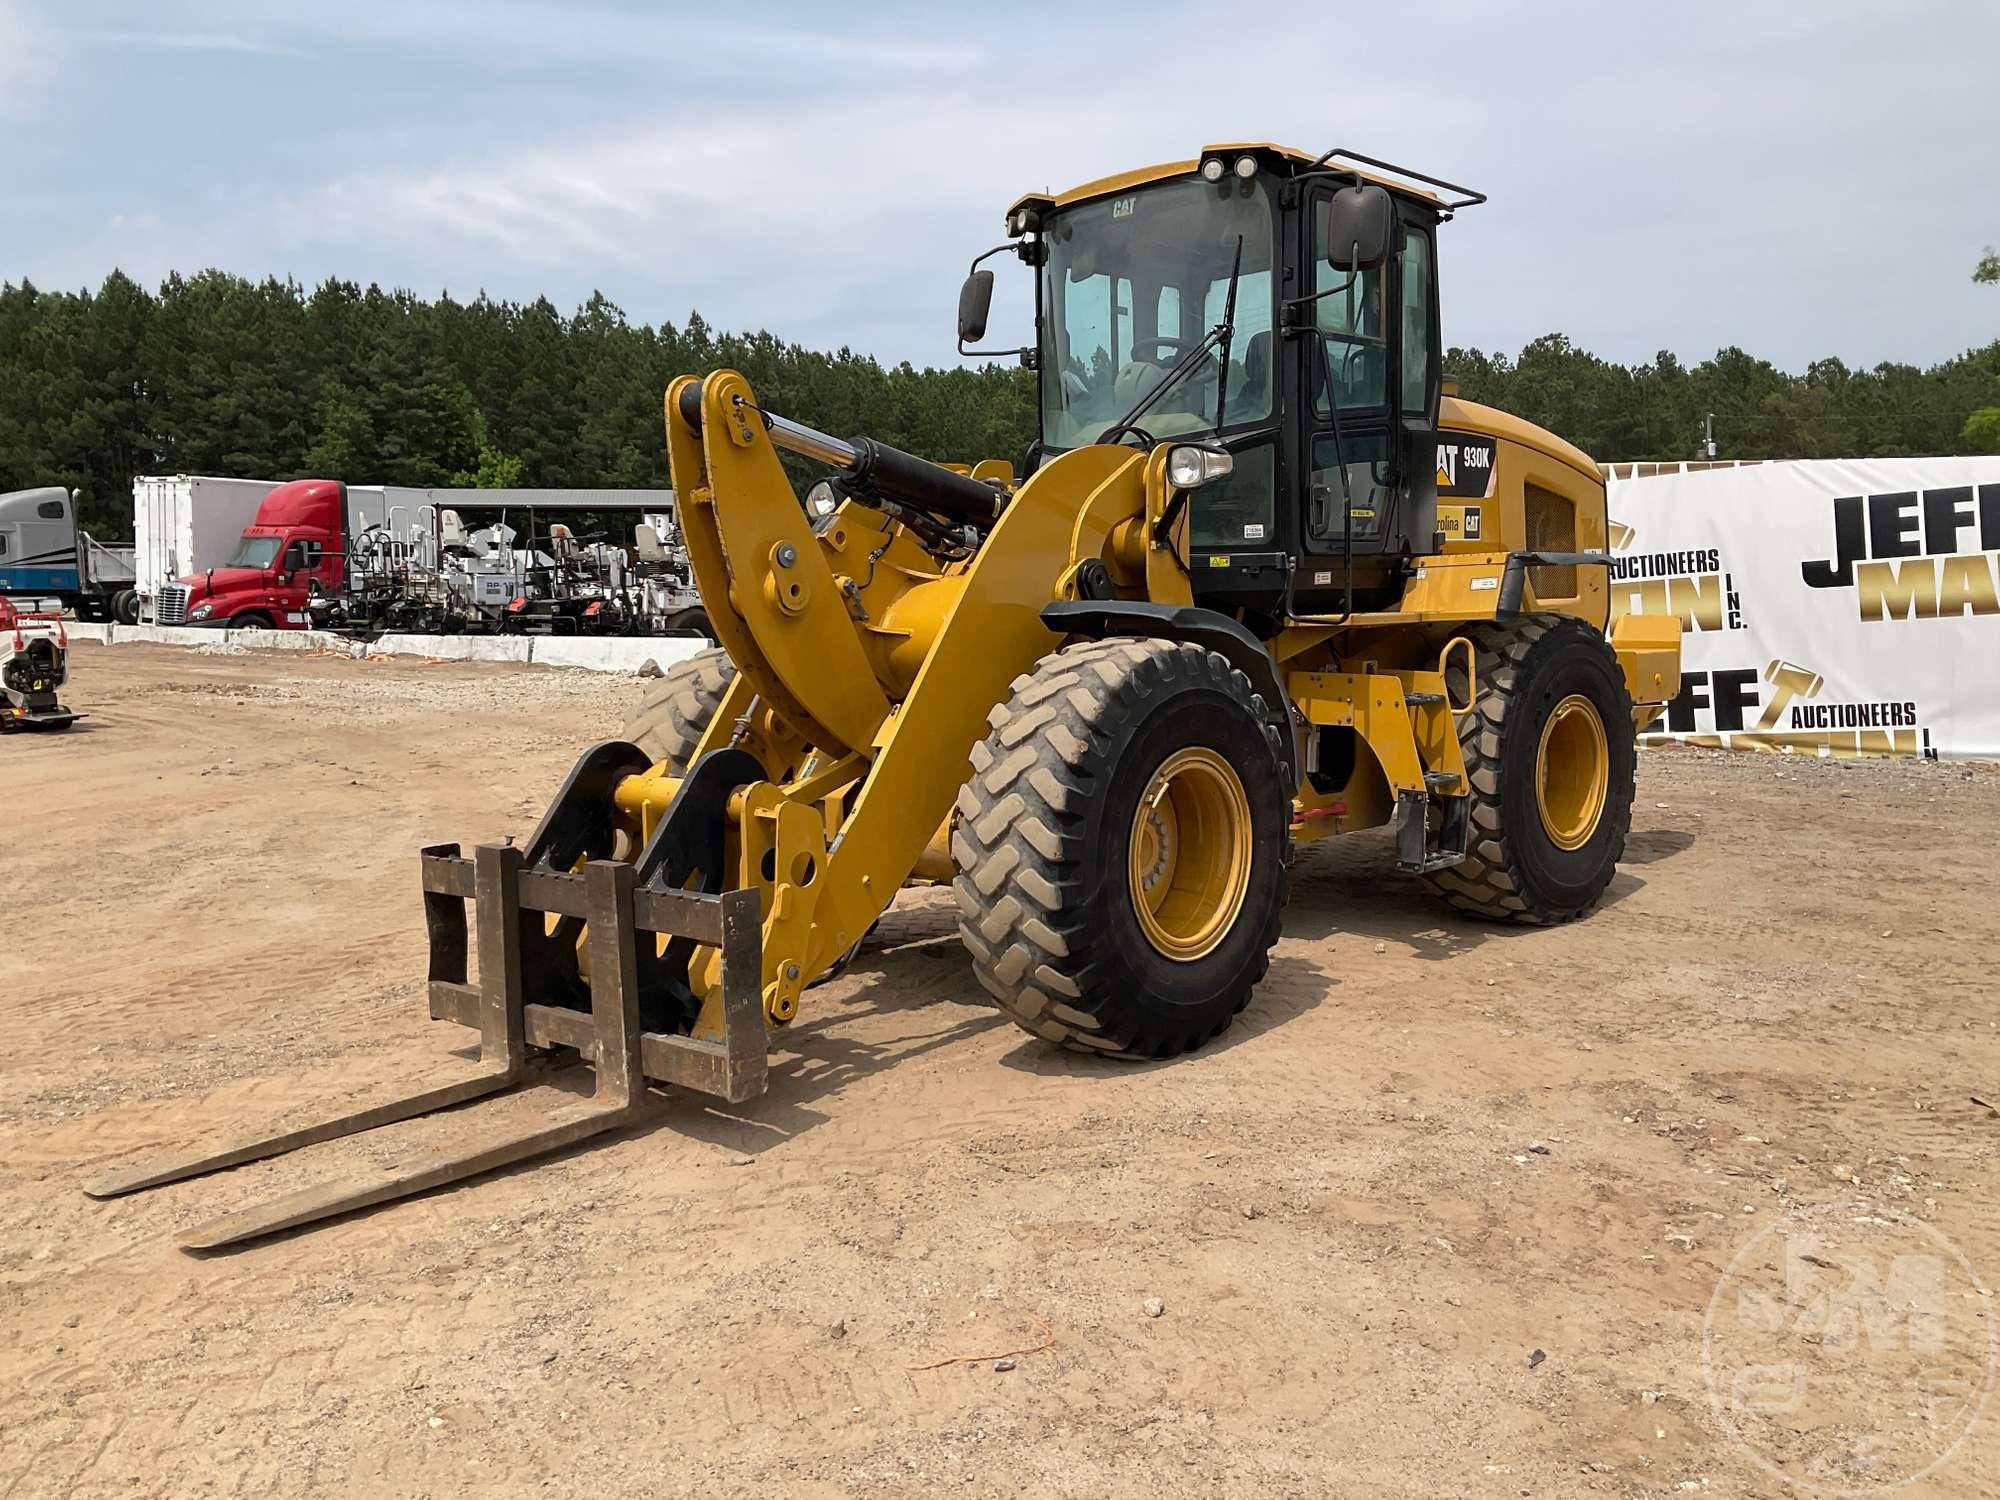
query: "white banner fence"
1834, 607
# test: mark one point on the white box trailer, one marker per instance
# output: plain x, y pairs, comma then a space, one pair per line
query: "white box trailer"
187, 523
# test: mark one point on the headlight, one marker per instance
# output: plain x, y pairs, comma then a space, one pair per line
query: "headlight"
201, 611
822, 501
1211, 170
1190, 468
1246, 166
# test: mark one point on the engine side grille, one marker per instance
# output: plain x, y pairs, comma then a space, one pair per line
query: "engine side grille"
170, 607
1551, 528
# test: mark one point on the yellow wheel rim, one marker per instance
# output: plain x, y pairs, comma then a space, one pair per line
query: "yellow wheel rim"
1572, 772
1190, 854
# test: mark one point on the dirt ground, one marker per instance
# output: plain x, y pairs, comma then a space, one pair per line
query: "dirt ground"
1429, 1151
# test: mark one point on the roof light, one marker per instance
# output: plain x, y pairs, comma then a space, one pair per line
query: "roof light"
1246, 167
1211, 170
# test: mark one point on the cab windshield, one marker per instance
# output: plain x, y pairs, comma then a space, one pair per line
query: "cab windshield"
254, 552
1134, 282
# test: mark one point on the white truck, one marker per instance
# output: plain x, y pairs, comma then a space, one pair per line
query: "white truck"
186, 523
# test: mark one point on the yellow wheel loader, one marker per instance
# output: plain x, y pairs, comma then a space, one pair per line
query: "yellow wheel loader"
1260, 581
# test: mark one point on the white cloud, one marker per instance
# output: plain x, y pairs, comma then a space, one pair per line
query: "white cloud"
27, 58
535, 34
197, 41
829, 218
1656, 182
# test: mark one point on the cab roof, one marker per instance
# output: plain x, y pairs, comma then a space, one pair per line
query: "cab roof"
1289, 158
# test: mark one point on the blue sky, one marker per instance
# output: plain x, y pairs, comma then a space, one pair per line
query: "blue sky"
1807, 178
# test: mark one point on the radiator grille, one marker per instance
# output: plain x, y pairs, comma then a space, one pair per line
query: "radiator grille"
171, 606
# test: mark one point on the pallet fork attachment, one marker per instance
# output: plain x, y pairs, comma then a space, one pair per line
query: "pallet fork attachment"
510, 900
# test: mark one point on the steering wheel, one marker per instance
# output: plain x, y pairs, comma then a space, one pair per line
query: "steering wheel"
1144, 441
1168, 341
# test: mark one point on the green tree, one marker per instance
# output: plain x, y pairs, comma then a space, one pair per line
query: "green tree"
1981, 433
494, 471
213, 373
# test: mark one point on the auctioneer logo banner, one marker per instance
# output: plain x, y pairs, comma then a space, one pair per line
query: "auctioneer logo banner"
1830, 607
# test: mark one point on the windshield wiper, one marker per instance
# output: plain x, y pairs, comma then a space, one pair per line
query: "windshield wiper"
1228, 336
1217, 337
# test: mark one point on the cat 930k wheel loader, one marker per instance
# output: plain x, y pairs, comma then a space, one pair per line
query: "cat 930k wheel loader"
1263, 581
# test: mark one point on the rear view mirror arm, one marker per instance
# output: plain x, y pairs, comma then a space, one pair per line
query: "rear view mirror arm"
1026, 354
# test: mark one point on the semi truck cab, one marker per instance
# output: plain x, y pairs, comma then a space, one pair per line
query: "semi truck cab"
298, 538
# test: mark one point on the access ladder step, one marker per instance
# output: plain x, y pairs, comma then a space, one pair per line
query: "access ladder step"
1415, 850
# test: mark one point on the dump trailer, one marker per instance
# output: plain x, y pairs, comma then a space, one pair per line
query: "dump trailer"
46, 555
1262, 583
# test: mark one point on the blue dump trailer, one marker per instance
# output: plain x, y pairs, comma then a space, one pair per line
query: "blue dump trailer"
44, 555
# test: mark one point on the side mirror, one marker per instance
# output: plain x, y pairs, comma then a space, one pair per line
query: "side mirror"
975, 301
1360, 226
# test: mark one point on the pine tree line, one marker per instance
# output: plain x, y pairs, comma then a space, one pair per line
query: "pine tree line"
214, 374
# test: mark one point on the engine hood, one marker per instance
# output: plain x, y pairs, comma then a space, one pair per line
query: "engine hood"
225, 581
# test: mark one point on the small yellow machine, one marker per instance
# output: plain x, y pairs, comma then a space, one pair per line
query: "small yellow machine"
1259, 582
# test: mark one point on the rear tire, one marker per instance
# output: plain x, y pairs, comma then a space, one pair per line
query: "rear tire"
1122, 848
125, 607
1552, 758
677, 708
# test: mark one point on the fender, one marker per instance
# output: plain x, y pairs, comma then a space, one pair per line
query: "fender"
1094, 619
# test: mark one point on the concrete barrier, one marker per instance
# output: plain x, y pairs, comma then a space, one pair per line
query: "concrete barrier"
163, 635
283, 640
458, 647
611, 653
591, 653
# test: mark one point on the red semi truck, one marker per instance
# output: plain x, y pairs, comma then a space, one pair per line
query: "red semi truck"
298, 537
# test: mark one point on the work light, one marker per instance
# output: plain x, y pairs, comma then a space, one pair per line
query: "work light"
1190, 467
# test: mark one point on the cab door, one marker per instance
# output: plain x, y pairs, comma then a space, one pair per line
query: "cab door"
1368, 399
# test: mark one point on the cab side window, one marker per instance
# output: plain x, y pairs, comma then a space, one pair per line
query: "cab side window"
50, 510
1417, 352
1350, 317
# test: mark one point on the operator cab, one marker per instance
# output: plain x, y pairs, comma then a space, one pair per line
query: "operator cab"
1278, 307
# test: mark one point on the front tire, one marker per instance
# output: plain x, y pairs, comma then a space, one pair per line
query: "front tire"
677, 707
1121, 847
1552, 759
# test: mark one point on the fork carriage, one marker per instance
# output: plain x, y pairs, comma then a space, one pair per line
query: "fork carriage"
512, 911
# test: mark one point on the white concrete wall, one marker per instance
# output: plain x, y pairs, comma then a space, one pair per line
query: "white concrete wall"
591, 653
457, 647
615, 653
